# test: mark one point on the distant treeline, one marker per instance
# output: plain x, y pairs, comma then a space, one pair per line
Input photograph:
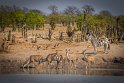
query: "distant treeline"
85, 20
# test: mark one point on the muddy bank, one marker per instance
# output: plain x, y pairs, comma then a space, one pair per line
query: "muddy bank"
12, 61
11, 65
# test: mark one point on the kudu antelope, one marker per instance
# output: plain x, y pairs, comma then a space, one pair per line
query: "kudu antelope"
71, 58
54, 57
32, 60
88, 58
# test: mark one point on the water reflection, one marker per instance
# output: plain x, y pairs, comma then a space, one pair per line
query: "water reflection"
11, 70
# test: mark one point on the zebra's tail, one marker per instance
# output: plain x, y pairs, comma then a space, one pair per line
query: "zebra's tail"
108, 46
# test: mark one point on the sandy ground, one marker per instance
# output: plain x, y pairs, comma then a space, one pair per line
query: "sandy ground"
22, 50
27, 78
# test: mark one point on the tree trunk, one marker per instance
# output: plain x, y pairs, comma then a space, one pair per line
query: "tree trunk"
9, 36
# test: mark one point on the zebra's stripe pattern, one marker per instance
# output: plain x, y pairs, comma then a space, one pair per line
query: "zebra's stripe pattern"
102, 41
99, 42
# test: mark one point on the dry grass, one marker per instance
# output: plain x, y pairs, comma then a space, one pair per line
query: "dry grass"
22, 50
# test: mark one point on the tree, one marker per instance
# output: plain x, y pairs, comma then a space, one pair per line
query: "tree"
121, 28
53, 16
20, 18
63, 19
105, 13
52, 21
79, 22
53, 8
34, 19
71, 12
87, 10
4, 17
49, 34
8, 16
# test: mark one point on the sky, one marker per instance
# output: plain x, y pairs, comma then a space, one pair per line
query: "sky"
114, 6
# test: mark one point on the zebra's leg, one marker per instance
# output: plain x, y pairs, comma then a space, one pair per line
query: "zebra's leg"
48, 64
58, 62
105, 48
95, 50
63, 63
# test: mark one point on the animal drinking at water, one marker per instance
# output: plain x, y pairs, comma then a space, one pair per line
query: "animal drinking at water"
33, 59
54, 57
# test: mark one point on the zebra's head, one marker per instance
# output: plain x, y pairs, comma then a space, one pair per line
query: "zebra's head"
88, 36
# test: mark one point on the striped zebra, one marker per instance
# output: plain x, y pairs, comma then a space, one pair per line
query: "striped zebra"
99, 42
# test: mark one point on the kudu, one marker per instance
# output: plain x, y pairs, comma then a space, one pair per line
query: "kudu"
32, 60
71, 58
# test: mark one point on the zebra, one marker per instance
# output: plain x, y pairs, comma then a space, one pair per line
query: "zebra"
54, 57
99, 42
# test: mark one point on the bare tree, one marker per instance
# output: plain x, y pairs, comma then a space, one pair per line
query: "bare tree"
53, 8
49, 34
71, 12
105, 13
53, 16
88, 9
9, 35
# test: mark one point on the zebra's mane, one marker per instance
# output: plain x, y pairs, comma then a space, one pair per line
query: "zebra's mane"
93, 36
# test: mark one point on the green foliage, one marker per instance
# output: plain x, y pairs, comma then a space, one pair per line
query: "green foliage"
16, 17
100, 24
80, 21
121, 22
63, 19
20, 17
34, 19
53, 21
5, 20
